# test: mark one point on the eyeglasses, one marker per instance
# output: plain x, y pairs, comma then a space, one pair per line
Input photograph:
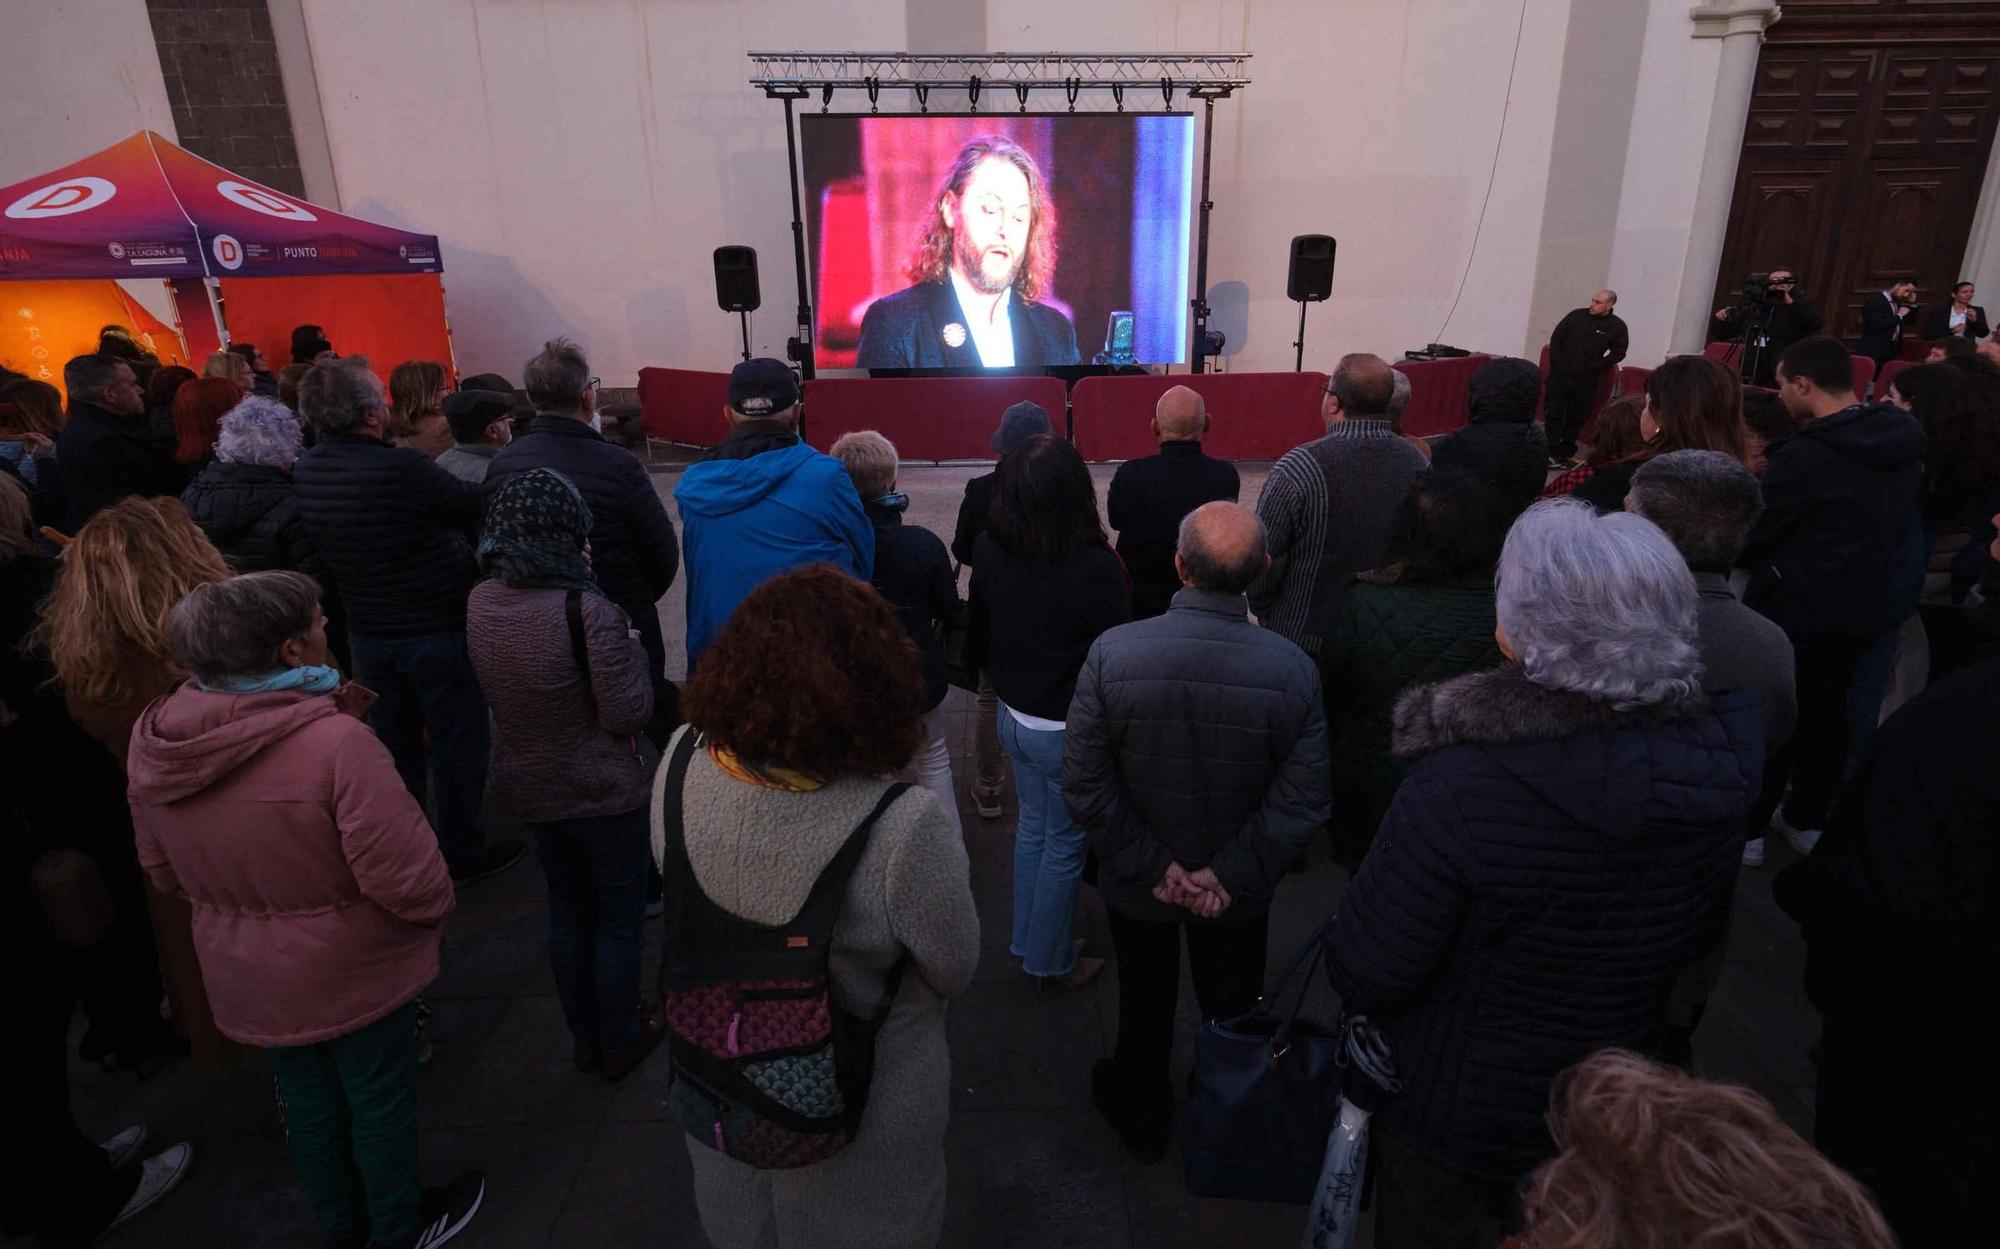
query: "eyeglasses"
593, 384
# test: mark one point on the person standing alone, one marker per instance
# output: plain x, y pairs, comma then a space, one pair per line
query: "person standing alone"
1150, 496
1585, 343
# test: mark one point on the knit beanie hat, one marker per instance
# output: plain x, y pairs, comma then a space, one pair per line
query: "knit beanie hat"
1018, 424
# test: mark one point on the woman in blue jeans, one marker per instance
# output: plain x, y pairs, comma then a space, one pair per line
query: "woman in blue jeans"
1045, 583
567, 679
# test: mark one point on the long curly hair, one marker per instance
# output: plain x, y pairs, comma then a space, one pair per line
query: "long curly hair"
813, 673
1653, 1158
931, 261
121, 576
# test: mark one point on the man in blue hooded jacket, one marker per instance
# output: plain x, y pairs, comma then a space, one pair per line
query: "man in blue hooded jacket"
762, 502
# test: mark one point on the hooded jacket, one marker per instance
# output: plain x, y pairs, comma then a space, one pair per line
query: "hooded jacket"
1545, 871
1840, 504
760, 504
1501, 442
249, 513
316, 884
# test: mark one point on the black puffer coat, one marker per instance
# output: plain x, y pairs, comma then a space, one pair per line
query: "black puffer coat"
1195, 738
394, 531
1545, 871
249, 512
633, 552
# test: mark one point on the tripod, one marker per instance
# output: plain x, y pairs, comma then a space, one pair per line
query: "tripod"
1753, 340
746, 332
1299, 347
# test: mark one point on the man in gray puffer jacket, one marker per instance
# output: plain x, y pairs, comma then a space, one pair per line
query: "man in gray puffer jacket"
1196, 761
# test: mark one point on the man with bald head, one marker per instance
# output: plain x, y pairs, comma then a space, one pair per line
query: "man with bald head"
1585, 343
1149, 496
1195, 759
1330, 507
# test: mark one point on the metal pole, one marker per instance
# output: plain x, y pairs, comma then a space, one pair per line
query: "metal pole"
1199, 354
746, 333
805, 338
1299, 361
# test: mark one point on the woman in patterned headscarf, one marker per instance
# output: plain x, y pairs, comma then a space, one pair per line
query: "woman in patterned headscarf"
566, 678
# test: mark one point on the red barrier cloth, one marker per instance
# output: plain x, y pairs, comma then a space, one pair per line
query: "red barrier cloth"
1252, 416
1438, 390
683, 405
928, 418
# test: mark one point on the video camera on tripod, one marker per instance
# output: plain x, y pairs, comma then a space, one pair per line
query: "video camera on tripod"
1760, 291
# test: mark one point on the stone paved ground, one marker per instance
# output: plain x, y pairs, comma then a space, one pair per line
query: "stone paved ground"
572, 1161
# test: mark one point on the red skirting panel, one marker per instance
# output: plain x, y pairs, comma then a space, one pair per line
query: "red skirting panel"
1252, 416
683, 405
928, 418
1438, 389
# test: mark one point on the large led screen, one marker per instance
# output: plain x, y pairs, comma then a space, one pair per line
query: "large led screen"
1003, 241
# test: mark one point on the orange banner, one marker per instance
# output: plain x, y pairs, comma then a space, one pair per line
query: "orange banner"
389, 318
44, 324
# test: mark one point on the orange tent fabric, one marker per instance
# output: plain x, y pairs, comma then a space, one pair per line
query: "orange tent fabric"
43, 324
389, 318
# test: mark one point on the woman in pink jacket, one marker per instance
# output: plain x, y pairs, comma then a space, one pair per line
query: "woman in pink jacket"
317, 891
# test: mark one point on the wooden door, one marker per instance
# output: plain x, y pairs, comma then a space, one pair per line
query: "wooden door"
1867, 140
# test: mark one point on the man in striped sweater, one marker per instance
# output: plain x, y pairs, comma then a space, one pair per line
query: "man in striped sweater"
1331, 506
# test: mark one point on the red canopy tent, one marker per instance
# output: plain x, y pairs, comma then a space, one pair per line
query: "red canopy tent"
242, 263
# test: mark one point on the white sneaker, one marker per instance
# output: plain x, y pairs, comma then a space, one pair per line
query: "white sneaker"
987, 805
1801, 839
1753, 852
158, 1176
123, 1147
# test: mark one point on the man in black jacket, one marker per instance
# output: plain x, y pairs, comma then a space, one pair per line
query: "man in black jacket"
1150, 496
394, 531
1839, 520
1585, 343
107, 447
1885, 318
633, 551
1195, 759
1780, 318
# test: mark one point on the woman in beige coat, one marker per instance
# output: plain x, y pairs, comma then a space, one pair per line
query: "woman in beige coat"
805, 704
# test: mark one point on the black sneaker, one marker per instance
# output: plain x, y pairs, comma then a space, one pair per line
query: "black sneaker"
491, 861
446, 1211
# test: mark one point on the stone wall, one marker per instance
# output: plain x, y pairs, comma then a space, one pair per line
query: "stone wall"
221, 70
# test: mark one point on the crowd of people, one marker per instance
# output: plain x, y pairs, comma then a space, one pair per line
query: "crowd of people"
277, 652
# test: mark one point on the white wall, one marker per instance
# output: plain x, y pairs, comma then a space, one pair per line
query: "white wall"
76, 76
579, 162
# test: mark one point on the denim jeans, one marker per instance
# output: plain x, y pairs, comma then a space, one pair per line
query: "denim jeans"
1048, 851
931, 767
597, 868
426, 686
350, 1108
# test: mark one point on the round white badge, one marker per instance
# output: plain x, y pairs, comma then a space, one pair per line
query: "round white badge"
257, 199
60, 199
954, 335
227, 251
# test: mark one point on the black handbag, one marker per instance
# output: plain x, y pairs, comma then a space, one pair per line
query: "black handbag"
955, 641
1266, 1091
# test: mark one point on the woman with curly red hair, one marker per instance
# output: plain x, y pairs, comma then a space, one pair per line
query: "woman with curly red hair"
800, 711
1653, 1158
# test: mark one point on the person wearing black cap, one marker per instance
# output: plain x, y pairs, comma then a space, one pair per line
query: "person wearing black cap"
481, 423
761, 502
1017, 424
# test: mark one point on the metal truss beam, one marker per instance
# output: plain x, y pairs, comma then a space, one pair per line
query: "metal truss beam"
1200, 75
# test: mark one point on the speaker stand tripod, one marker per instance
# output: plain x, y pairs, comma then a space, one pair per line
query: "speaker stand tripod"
746, 333
1299, 347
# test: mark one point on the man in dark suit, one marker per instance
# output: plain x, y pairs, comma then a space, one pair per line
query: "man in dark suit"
1884, 319
1150, 496
981, 271
1959, 318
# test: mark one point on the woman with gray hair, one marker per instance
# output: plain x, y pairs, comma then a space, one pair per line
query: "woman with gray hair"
1564, 843
243, 500
260, 796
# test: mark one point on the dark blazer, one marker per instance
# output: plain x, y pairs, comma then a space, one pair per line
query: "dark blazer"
1938, 324
1147, 501
1881, 329
972, 511
907, 330
633, 552
394, 531
1545, 871
1033, 621
107, 457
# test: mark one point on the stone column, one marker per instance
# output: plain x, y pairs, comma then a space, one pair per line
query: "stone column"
1740, 25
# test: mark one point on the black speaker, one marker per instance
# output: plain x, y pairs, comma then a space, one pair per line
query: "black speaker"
1311, 276
736, 279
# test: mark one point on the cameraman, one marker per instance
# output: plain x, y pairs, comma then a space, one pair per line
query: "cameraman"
1778, 319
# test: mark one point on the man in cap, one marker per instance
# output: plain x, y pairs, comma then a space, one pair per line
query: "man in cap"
481, 423
1017, 424
762, 502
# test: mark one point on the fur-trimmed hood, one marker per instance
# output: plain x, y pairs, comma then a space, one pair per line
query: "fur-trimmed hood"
1598, 764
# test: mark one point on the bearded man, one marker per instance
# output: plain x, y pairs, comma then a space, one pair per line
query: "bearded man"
981, 272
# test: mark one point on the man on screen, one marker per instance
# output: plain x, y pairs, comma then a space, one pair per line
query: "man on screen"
980, 271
